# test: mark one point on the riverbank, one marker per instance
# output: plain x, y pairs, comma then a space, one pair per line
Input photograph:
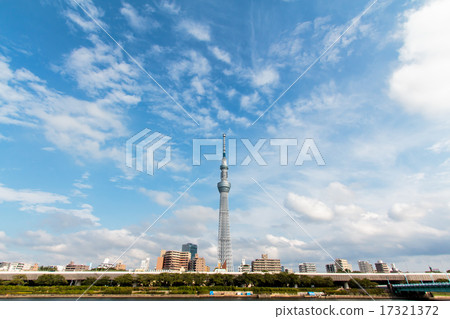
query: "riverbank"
192, 297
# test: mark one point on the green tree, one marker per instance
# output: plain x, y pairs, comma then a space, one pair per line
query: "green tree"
322, 281
50, 280
216, 280
199, 279
104, 281
441, 280
304, 281
365, 283
124, 280
47, 268
144, 280
164, 280
19, 280
88, 281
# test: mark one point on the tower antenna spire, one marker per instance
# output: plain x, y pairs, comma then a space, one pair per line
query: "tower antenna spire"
224, 149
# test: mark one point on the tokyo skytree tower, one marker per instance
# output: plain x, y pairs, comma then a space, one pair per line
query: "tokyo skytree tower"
225, 253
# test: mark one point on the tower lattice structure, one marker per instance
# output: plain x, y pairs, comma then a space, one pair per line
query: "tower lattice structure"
224, 248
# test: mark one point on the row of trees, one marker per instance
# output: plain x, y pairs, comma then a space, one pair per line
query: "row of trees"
186, 279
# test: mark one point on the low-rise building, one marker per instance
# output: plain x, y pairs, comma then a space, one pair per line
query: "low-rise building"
120, 267
243, 267
18, 266
197, 264
72, 267
106, 264
4, 266
266, 264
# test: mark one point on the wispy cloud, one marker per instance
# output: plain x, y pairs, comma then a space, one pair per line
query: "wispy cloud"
160, 197
308, 207
82, 185
135, 20
86, 25
4, 138
77, 126
27, 196
265, 76
65, 217
170, 6
249, 102
221, 54
196, 29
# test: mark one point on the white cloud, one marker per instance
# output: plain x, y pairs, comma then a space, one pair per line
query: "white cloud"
197, 30
4, 138
249, 102
160, 197
339, 193
194, 221
134, 19
84, 22
170, 7
88, 246
348, 211
80, 127
441, 146
265, 77
26, 196
64, 217
196, 214
82, 185
403, 211
308, 207
101, 68
231, 93
421, 82
220, 54
195, 64
197, 84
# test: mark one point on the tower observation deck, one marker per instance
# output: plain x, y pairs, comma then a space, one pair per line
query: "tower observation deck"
224, 246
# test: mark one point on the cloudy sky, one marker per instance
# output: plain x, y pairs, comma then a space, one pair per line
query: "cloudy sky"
367, 81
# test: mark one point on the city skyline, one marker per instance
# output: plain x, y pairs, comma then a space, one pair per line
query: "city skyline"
361, 81
339, 265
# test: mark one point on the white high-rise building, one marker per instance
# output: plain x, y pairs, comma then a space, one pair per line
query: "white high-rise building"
342, 265
224, 246
307, 267
331, 268
365, 266
145, 265
382, 267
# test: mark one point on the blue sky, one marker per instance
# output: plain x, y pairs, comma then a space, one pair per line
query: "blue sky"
376, 105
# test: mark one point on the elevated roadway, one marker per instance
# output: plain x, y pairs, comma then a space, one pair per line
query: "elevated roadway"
381, 278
